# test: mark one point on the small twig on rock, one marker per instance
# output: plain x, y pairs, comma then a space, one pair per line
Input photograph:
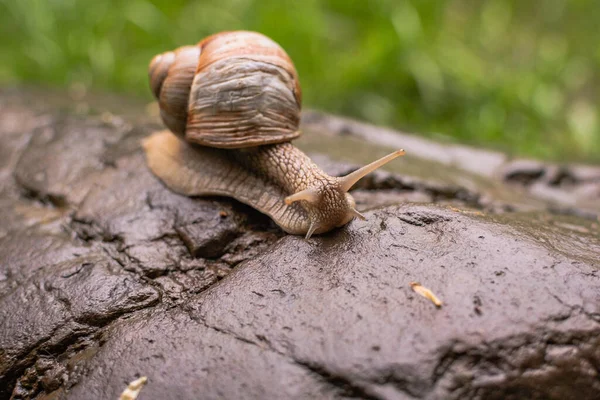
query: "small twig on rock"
423, 291
133, 389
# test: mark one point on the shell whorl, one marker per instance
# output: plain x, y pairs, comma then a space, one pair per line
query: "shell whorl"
232, 90
171, 76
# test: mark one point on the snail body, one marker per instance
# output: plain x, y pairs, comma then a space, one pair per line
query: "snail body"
233, 104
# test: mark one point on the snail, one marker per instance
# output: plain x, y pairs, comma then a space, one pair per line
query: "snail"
232, 105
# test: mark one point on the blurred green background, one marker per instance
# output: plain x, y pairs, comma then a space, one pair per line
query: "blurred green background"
520, 76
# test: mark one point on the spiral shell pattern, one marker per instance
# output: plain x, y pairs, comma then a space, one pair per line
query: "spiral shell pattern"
171, 76
232, 90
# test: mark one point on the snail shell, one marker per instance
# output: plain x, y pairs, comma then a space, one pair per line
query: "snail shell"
232, 90
234, 101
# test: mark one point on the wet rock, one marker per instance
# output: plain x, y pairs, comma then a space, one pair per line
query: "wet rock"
523, 171
62, 302
336, 315
46, 375
248, 246
208, 239
66, 177
187, 361
158, 257
26, 252
571, 188
479, 161
106, 275
585, 173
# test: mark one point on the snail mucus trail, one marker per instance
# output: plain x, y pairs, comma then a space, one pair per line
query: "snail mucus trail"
232, 104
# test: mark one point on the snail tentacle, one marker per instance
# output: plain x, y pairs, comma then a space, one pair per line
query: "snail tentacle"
349, 180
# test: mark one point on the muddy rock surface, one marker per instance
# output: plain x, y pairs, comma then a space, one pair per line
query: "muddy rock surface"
107, 276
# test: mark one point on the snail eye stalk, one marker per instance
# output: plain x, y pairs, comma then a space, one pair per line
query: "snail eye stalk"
349, 180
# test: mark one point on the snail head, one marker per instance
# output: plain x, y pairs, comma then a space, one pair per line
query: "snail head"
329, 204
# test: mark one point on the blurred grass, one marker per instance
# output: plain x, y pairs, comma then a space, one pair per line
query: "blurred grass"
519, 76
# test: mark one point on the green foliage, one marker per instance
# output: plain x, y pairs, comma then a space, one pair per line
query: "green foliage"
521, 76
